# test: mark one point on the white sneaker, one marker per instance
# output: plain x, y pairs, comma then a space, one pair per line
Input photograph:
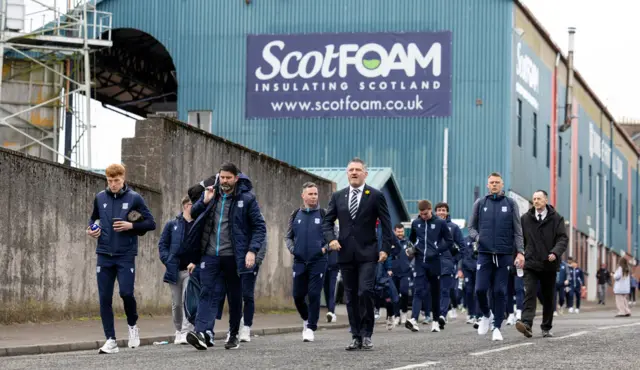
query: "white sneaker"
571, 310
178, 338
245, 334
391, 323
511, 320
471, 320
483, 325
396, 321
412, 325
577, 310
331, 317
403, 318
109, 347
454, 314
555, 313
518, 315
134, 337
307, 335
435, 327
496, 334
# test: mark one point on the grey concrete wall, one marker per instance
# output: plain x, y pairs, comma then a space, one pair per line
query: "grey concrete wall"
171, 156
48, 264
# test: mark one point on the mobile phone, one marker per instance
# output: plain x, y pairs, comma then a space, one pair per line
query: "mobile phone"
116, 219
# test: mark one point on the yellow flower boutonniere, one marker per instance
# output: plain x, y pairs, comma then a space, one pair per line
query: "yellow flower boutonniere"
367, 192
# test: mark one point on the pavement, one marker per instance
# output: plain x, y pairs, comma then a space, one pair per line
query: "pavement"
74, 335
591, 339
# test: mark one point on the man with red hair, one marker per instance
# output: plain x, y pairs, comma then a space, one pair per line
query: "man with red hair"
123, 216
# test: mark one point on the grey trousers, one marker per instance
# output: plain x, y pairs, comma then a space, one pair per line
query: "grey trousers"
177, 307
602, 292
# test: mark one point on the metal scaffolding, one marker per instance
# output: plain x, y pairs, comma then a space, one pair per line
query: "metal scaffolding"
59, 50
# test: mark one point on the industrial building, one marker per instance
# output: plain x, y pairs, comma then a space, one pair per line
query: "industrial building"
442, 92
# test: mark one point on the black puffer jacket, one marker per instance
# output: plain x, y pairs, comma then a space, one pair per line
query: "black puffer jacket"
543, 238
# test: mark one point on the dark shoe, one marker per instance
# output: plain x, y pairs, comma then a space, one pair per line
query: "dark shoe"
627, 315
547, 334
367, 344
232, 343
197, 340
208, 336
441, 322
524, 329
355, 344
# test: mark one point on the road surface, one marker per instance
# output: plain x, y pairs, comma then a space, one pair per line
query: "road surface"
592, 340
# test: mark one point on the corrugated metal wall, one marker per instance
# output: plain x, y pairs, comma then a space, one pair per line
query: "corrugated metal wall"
207, 41
530, 173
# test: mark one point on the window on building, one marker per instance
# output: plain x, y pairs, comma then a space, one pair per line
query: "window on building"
519, 117
590, 180
620, 208
559, 156
535, 135
613, 202
580, 173
633, 224
200, 119
548, 145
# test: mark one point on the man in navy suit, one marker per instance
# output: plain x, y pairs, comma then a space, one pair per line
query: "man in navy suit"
357, 209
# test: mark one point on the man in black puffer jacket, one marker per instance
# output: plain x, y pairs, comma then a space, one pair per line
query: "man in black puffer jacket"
545, 240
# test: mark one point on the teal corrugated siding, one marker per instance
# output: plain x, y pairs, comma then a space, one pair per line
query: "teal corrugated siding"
207, 42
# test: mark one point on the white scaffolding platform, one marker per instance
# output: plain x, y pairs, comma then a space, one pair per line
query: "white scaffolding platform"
69, 31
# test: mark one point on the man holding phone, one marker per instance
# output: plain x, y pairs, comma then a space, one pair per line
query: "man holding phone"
117, 240
229, 230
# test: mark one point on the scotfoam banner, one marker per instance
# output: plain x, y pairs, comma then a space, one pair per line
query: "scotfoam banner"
349, 75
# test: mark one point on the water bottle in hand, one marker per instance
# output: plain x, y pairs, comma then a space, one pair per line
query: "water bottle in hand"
519, 270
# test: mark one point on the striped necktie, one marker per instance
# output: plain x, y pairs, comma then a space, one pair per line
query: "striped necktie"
353, 205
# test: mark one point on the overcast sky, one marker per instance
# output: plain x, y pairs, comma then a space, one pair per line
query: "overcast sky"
607, 56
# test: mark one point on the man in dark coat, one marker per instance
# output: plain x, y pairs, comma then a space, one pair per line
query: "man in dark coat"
545, 240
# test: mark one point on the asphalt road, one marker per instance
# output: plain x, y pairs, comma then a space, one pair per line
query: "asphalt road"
587, 341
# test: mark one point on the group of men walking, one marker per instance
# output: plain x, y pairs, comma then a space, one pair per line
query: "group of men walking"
221, 235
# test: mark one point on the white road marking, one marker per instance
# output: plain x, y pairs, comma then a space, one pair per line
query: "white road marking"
572, 335
416, 366
618, 326
500, 349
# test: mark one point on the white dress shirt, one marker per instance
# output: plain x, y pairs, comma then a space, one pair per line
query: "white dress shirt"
543, 213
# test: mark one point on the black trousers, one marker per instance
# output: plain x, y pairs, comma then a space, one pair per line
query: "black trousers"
358, 279
547, 280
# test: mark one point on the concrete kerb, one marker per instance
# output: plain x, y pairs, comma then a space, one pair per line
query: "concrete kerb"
145, 341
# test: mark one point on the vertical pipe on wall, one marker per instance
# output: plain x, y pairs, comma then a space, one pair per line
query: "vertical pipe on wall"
554, 137
445, 164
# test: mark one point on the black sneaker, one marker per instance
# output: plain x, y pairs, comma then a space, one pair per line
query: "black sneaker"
197, 340
232, 343
441, 322
524, 328
208, 336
